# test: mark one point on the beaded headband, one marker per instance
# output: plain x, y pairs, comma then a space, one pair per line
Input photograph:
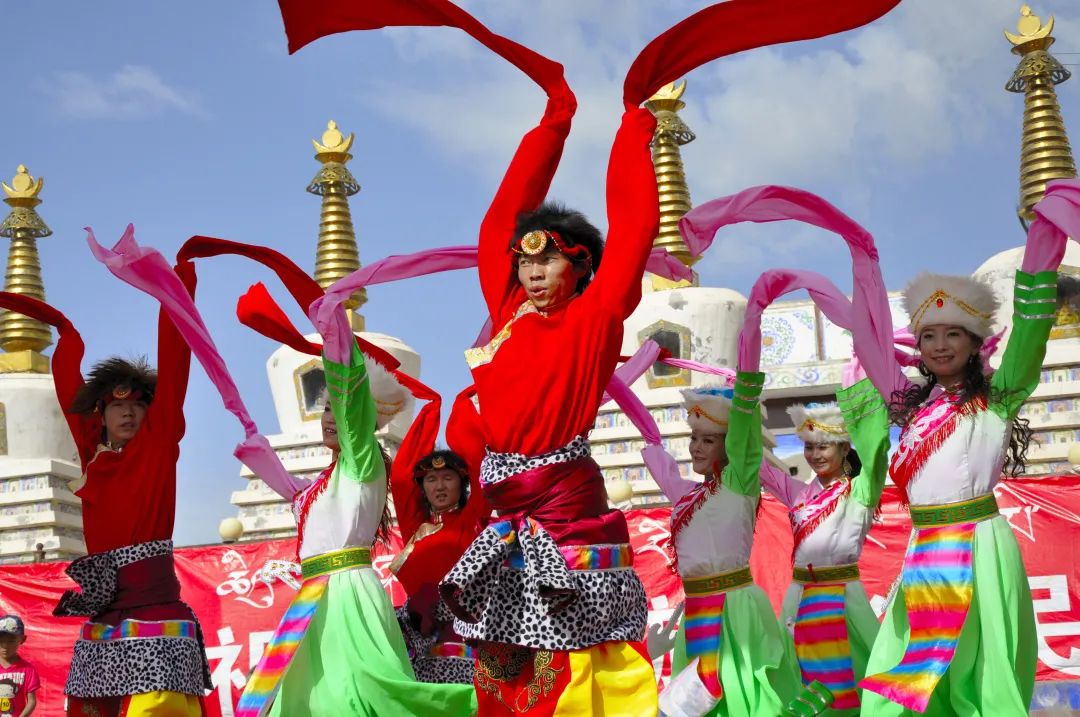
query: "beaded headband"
811, 425
536, 242
938, 299
119, 393
700, 412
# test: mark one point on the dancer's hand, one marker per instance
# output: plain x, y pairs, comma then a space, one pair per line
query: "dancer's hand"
659, 639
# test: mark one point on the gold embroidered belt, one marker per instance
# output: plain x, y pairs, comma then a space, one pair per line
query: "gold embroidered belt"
966, 511
719, 583
335, 562
826, 574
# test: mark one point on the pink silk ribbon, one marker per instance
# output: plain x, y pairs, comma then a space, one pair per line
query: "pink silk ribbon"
146, 269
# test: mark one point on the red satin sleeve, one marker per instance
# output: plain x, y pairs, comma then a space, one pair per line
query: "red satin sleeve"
409, 503
523, 188
166, 413
633, 210
465, 437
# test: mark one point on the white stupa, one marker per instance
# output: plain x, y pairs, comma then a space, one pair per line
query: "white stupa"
39, 516
296, 380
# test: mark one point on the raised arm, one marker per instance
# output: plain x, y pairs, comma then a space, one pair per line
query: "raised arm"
67, 374
1057, 217
523, 188
783, 486
166, 412
743, 440
465, 436
354, 413
409, 504
633, 209
867, 420
1034, 311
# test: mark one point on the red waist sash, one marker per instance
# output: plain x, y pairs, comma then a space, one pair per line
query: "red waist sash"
568, 499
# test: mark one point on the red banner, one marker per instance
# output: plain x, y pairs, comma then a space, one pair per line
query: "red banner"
238, 609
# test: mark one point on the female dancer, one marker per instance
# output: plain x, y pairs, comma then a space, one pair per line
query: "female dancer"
826, 611
959, 637
141, 652
338, 649
439, 511
729, 656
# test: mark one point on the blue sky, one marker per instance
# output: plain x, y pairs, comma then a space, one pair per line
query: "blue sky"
191, 118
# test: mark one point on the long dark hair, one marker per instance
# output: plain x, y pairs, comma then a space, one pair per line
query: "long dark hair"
974, 385
382, 534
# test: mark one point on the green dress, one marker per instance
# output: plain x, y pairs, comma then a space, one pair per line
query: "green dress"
713, 532
831, 525
993, 669
352, 658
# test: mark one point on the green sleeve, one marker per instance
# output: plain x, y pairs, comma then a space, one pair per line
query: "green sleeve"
743, 440
867, 422
1034, 311
354, 413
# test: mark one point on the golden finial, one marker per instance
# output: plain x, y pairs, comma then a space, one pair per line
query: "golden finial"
336, 254
671, 133
335, 146
1045, 153
23, 188
22, 337
1030, 28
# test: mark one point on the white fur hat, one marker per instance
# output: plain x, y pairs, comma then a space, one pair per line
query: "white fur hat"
708, 408
819, 423
390, 396
950, 300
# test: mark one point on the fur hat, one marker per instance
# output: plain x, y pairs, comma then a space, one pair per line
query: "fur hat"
390, 396
950, 300
819, 423
708, 408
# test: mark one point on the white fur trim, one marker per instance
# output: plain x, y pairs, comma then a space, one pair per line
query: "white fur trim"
390, 396
963, 302
819, 424
707, 408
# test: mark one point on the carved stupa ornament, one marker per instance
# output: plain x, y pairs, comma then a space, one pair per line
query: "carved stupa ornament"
336, 255
671, 133
23, 226
22, 197
1045, 152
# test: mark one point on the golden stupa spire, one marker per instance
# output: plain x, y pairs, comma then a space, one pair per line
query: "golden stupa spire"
671, 133
336, 255
1045, 153
23, 338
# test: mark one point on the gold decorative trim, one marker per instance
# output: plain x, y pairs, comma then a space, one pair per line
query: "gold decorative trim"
298, 376
680, 378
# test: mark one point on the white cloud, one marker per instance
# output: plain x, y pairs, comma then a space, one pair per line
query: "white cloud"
837, 115
131, 93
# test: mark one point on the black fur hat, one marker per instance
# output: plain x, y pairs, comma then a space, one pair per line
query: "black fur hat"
115, 378
570, 225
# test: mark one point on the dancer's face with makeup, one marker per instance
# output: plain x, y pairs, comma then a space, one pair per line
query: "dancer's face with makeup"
707, 452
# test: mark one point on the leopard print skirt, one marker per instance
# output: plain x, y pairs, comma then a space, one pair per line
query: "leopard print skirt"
542, 604
513, 584
429, 660
132, 655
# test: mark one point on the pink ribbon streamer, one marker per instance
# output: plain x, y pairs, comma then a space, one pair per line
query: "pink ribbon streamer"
871, 323
146, 269
337, 335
